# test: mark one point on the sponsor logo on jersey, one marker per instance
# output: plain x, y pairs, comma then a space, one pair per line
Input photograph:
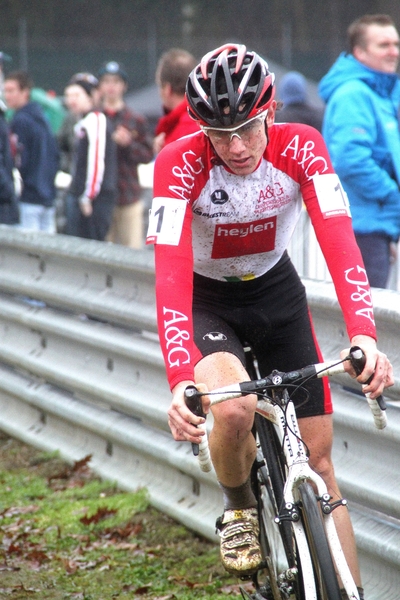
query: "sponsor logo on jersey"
219, 197
362, 294
215, 215
272, 197
215, 336
176, 337
239, 239
303, 153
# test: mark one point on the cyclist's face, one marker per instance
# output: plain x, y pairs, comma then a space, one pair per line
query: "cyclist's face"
241, 150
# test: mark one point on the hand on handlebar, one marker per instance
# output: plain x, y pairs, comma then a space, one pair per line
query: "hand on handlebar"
377, 367
182, 422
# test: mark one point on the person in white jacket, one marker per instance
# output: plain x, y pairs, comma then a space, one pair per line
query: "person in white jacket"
93, 187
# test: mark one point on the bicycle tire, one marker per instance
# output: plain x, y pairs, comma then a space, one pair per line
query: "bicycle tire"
274, 481
324, 570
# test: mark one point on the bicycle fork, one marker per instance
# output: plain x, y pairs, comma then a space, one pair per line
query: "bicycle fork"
299, 471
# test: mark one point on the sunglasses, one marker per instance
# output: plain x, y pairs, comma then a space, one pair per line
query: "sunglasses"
244, 132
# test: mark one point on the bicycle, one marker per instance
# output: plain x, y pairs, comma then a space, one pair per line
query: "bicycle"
302, 555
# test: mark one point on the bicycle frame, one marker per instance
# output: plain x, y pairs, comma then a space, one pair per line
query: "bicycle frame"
299, 470
283, 417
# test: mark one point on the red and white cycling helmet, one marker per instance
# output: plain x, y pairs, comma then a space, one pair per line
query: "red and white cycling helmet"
229, 86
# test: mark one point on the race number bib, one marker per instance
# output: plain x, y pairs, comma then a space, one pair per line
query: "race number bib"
165, 221
332, 198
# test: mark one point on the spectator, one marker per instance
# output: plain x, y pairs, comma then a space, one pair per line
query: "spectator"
172, 72
9, 213
67, 217
292, 91
36, 154
361, 130
94, 179
134, 146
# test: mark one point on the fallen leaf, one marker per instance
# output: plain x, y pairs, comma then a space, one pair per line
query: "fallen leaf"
183, 581
129, 530
81, 464
102, 513
142, 589
37, 556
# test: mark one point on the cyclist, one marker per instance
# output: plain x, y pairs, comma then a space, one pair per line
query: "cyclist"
226, 201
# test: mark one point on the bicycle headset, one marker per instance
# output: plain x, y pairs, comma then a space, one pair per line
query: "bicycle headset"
229, 86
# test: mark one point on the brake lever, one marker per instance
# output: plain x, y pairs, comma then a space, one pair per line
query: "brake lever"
194, 404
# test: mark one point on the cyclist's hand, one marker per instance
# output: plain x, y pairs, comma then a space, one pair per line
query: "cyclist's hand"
377, 364
182, 422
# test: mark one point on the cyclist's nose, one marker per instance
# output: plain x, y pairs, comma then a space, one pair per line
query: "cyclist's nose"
236, 143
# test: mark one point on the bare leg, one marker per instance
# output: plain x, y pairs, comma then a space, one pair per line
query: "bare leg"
233, 450
232, 444
317, 433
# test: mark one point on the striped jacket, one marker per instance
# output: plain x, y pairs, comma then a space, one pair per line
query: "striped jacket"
95, 164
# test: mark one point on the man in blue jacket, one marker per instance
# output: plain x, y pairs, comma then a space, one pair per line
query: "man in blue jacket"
36, 154
361, 130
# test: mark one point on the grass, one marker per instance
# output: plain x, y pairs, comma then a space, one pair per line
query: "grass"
67, 535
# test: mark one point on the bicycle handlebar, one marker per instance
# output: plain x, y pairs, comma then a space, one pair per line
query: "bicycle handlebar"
377, 405
276, 379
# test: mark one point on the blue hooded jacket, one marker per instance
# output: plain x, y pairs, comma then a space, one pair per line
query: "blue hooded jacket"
361, 130
38, 155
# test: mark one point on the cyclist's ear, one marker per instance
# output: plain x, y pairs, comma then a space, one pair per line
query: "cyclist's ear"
271, 114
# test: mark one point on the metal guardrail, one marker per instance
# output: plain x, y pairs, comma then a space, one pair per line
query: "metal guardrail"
307, 256
81, 371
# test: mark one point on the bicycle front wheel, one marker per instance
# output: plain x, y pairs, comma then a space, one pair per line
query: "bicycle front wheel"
324, 570
277, 541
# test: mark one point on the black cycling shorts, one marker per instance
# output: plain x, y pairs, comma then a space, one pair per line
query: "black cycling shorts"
271, 315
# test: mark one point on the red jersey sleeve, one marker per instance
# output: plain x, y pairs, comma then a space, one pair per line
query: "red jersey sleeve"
327, 205
174, 272
336, 238
174, 287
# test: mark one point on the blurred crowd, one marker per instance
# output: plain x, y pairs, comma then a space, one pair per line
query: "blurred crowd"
73, 167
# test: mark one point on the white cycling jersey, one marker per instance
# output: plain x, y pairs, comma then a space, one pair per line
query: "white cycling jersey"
228, 227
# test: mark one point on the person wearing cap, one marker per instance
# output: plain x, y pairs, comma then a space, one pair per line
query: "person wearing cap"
36, 154
172, 72
134, 146
297, 108
93, 187
226, 202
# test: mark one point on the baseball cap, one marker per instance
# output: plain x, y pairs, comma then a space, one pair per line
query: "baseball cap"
113, 68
